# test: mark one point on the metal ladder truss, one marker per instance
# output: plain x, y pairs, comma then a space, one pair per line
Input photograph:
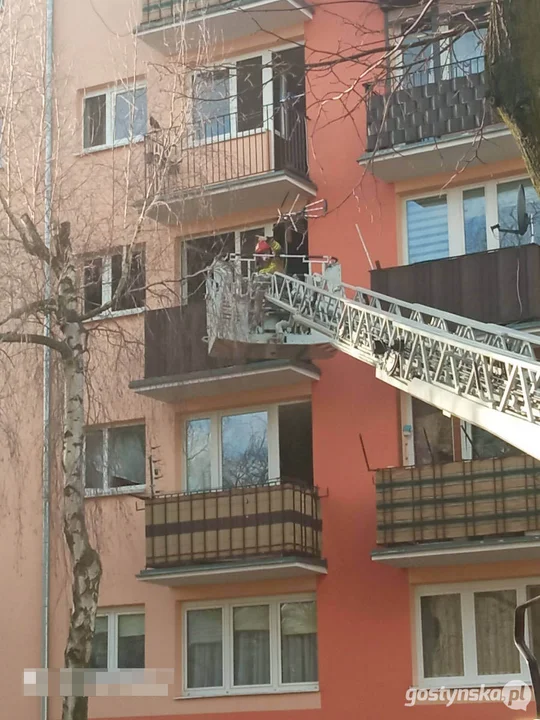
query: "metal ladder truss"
482, 373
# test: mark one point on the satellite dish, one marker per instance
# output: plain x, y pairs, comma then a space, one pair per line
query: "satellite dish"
523, 219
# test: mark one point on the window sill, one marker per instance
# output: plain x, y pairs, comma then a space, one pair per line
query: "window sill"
114, 314
243, 692
110, 492
114, 146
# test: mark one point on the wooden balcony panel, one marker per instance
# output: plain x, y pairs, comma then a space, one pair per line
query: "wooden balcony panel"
275, 520
458, 501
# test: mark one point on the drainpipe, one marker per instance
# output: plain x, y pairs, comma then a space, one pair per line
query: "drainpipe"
46, 458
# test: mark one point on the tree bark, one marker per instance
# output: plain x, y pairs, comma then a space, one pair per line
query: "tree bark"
513, 74
85, 562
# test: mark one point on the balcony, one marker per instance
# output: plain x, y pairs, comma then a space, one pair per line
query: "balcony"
429, 120
214, 168
499, 286
257, 532
170, 25
178, 364
459, 512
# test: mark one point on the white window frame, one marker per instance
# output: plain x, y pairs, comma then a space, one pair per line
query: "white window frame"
106, 490
267, 95
110, 106
466, 591
226, 607
106, 281
456, 227
215, 442
112, 631
268, 231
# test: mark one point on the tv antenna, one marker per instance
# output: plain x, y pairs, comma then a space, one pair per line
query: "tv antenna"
523, 218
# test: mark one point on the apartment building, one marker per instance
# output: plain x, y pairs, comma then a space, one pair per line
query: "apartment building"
248, 542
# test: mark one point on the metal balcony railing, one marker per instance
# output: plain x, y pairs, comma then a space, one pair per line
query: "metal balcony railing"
424, 102
279, 519
473, 499
158, 11
224, 148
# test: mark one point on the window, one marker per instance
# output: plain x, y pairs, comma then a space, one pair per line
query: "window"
248, 447
102, 276
115, 116
118, 641
439, 439
115, 458
267, 645
466, 633
460, 220
198, 255
428, 56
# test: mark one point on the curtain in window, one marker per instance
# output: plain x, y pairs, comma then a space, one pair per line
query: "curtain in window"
100, 646
427, 229
131, 641
507, 194
205, 648
127, 456
494, 620
251, 628
299, 642
244, 449
94, 462
198, 457
442, 636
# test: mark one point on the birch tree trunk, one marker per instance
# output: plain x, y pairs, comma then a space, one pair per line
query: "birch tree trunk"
85, 562
513, 66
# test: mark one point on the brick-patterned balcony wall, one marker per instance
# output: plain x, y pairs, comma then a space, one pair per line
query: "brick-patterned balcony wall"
408, 111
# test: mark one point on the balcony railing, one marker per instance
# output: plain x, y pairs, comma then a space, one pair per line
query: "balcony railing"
423, 103
459, 500
159, 11
239, 523
500, 286
227, 148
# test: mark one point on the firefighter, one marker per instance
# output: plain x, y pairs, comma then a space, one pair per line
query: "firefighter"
267, 256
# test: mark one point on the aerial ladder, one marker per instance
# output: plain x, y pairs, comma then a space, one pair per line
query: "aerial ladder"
482, 373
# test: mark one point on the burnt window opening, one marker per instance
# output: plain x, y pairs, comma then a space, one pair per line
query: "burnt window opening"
296, 443
101, 278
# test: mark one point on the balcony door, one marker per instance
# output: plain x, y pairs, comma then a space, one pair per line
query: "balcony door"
289, 85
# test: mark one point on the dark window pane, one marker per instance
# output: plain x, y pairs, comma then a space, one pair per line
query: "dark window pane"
249, 89
134, 294
127, 456
93, 284
94, 460
295, 443
199, 256
131, 641
95, 121
534, 618
486, 445
100, 646
433, 441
